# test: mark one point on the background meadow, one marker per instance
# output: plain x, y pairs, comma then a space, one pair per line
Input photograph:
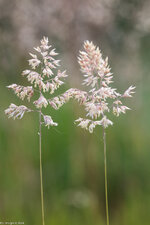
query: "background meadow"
73, 169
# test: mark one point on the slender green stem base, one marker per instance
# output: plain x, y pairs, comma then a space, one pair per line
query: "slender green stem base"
105, 167
41, 176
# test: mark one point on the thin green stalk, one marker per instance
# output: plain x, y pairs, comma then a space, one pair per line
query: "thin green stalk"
41, 176
105, 168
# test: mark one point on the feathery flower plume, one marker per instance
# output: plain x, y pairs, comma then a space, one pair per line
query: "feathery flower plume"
43, 81
98, 77
44, 76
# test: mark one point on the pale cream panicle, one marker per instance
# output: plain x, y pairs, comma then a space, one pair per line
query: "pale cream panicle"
100, 98
44, 76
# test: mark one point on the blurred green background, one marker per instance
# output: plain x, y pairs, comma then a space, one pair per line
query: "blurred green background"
73, 172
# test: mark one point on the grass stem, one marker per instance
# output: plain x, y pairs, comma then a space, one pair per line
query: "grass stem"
105, 168
41, 176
